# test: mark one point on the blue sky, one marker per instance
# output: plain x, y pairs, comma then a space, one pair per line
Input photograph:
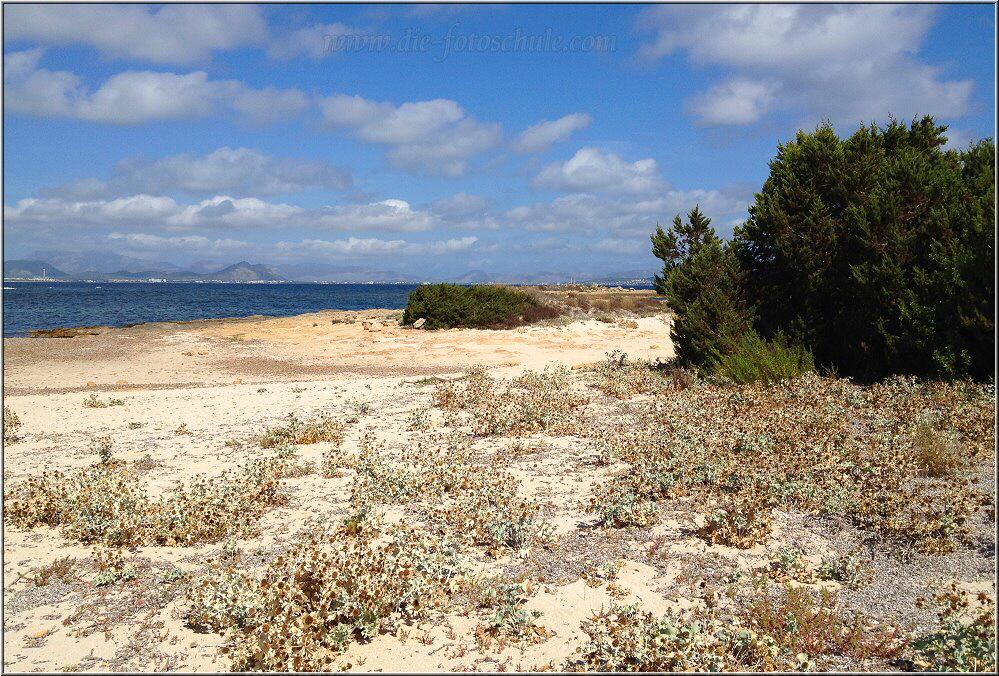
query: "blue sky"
434, 140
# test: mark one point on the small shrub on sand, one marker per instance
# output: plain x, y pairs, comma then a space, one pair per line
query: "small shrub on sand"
60, 569
850, 569
621, 378
509, 618
446, 306
313, 431
619, 506
479, 503
101, 447
800, 622
11, 424
106, 504
533, 402
111, 567
93, 402
329, 590
809, 444
738, 520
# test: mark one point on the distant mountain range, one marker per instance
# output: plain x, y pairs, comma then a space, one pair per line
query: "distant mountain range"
302, 272
239, 272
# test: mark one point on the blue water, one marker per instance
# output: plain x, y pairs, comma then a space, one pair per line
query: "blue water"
46, 305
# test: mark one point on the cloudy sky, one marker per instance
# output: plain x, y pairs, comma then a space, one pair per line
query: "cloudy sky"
435, 140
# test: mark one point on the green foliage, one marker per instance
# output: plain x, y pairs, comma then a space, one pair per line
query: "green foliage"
703, 287
447, 306
759, 360
966, 640
681, 243
877, 251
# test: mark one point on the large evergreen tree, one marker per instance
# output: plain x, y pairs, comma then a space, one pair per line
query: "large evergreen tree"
877, 251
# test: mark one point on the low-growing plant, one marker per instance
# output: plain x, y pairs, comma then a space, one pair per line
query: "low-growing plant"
966, 640
134, 425
766, 361
106, 504
619, 506
788, 562
533, 402
11, 424
801, 622
101, 447
624, 638
93, 402
111, 567
60, 569
849, 569
323, 428
509, 617
329, 590
621, 378
174, 574
739, 520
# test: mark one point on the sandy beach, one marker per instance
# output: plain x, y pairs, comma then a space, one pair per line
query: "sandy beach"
196, 398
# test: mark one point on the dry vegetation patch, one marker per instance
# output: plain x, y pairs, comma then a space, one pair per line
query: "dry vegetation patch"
703, 481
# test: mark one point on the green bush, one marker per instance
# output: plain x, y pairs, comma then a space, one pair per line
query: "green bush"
761, 360
446, 306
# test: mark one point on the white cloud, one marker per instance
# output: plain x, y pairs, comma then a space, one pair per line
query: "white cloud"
433, 137
154, 244
624, 216
132, 97
619, 246
315, 41
219, 212
355, 246
168, 34
242, 171
460, 204
591, 170
735, 101
543, 134
845, 63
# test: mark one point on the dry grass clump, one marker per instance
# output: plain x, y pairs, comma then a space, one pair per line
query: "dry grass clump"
811, 444
937, 454
106, 504
323, 428
533, 402
309, 604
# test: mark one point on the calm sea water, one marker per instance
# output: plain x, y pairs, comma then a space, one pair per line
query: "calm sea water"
42, 305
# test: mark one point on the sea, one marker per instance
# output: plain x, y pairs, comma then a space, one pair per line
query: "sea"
48, 305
